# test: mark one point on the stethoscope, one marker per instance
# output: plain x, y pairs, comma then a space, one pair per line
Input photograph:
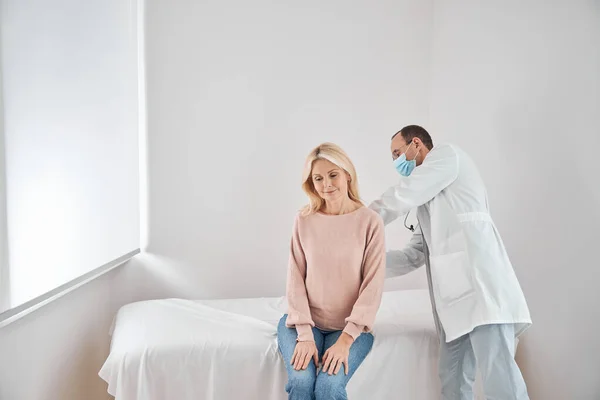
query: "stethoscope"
411, 227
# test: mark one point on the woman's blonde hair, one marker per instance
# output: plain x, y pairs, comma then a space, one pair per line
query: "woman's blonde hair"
334, 154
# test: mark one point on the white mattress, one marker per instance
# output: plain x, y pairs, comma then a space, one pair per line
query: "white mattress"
227, 349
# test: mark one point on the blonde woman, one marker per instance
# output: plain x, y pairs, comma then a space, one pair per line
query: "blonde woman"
335, 280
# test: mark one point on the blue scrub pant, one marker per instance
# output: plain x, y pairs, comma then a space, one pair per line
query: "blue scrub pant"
491, 349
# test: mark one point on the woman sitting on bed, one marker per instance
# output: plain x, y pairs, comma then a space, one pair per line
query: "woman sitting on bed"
335, 280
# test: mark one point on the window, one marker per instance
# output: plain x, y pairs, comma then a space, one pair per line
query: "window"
69, 192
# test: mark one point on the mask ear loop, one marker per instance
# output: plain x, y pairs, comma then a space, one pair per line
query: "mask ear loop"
411, 143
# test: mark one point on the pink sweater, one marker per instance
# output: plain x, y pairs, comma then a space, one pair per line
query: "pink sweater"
336, 272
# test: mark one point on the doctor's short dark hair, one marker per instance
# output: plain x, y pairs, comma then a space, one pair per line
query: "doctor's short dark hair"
415, 131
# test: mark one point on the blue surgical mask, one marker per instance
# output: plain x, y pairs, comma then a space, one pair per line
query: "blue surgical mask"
403, 166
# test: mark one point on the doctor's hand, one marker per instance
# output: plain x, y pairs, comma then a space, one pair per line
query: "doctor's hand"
337, 355
303, 353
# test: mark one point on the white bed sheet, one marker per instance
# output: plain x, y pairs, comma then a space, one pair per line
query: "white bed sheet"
227, 349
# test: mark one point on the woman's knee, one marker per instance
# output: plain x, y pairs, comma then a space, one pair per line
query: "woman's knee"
301, 384
330, 387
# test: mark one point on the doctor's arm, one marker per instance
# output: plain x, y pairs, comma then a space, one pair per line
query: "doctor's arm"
437, 172
411, 257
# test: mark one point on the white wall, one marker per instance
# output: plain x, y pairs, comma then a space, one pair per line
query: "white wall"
238, 94
69, 71
4, 273
518, 86
56, 351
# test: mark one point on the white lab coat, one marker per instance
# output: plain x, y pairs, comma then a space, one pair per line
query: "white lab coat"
471, 279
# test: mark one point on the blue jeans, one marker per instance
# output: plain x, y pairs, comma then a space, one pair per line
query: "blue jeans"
305, 384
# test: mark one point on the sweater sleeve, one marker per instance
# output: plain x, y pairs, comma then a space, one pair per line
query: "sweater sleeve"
365, 308
298, 309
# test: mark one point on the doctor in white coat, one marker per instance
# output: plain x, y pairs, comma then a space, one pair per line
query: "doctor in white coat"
478, 304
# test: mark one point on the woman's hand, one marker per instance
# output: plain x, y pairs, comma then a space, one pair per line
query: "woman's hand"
337, 355
303, 353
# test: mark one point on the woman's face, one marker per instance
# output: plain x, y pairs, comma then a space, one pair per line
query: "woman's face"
329, 180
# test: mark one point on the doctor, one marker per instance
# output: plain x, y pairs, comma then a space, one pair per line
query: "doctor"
478, 304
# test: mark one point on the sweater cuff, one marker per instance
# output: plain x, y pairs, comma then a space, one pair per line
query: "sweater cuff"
354, 330
305, 333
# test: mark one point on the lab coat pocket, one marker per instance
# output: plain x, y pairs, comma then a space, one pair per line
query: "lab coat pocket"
451, 275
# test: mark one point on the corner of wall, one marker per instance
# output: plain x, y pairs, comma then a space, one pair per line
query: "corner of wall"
4, 269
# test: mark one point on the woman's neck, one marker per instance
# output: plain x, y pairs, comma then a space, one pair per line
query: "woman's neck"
340, 206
